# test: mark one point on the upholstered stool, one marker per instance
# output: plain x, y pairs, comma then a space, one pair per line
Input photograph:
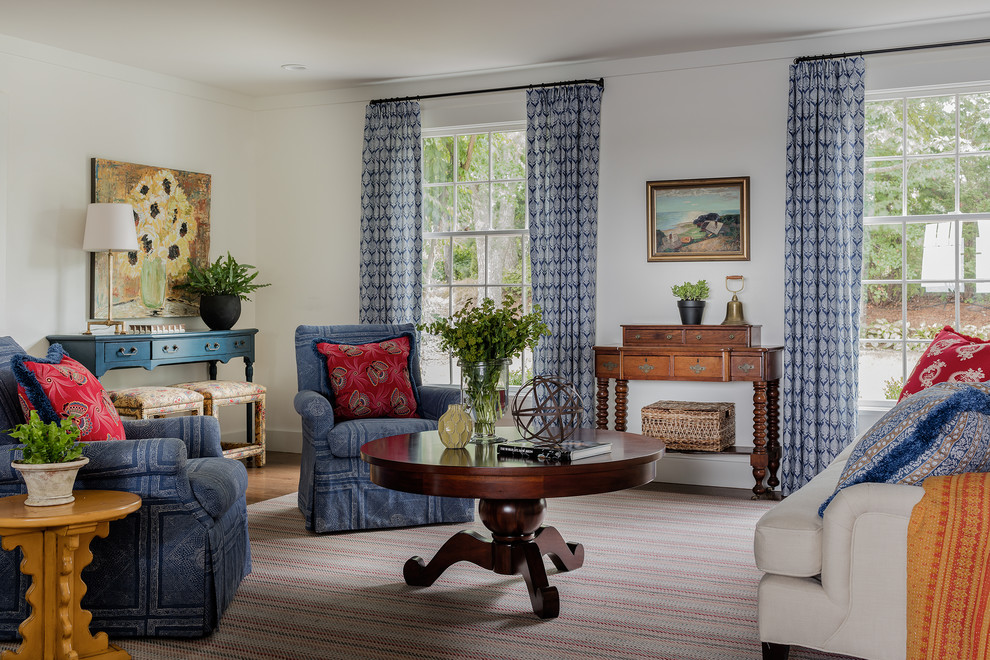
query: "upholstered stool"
218, 393
148, 402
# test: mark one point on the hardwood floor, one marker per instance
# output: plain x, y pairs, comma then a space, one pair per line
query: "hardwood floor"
280, 476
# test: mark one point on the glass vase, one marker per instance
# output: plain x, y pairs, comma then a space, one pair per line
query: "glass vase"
484, 390
153, 280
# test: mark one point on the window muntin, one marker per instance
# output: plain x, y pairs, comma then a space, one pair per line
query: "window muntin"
475, 231
926, 243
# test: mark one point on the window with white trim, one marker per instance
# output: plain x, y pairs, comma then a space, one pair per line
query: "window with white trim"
475, 231
926, 243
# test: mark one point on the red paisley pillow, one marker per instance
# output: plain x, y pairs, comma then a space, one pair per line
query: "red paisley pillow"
370, 380
950, 358
57, 386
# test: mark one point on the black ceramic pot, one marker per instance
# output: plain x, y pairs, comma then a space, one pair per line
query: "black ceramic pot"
220, 312
691, 311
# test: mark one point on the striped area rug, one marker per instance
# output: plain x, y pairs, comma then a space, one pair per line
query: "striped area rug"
666, 576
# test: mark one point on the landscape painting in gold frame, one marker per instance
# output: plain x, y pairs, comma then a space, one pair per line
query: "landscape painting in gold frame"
698, 219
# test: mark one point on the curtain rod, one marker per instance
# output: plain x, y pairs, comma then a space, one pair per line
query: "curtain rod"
600, 82
946, 44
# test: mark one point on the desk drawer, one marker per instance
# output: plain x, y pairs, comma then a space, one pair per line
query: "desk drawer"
717, 336
695, 367
119, 353
183, 347
646, 367
747, 367
607, 366
647, 336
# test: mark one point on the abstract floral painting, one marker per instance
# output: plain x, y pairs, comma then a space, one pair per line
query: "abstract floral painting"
172, 223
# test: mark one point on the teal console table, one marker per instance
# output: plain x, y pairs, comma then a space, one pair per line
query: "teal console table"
101, 353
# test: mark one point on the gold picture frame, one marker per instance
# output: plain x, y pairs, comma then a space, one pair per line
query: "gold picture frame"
698, 219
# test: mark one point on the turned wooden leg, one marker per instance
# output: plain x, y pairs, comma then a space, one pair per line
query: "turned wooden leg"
773, 432
621, 399
773, 651
758, 460
601, 400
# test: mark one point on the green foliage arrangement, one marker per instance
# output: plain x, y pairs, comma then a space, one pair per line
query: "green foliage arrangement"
47, 443
687, 291
892, 388
224, 277
482, 333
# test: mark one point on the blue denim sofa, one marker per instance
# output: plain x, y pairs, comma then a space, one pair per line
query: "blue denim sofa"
335, 489
169, 569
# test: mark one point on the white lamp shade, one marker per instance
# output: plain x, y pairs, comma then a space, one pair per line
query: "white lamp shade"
110, 227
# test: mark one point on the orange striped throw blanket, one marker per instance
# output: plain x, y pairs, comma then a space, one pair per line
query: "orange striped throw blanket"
948, 570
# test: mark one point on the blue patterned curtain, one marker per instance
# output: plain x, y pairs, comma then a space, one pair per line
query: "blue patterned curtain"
563, 126
823, 261
391, 215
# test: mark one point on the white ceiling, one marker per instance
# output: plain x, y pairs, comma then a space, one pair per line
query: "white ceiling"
239, 45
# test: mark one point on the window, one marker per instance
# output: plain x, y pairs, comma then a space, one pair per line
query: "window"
926, 245
475, 231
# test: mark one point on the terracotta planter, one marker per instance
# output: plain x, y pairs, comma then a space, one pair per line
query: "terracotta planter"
49, 484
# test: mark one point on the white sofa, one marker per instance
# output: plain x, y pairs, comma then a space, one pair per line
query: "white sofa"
837, 583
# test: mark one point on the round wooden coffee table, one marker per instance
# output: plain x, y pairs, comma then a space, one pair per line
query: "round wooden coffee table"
512, 503
55, 545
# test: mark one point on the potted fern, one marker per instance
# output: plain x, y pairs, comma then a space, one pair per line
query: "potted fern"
691, 305
484, 339
221, 286
51, 456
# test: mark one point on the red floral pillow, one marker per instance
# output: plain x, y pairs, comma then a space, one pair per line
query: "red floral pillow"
57, 386
370, 380
950, 358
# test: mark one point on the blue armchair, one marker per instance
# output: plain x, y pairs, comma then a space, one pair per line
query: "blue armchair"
335, 489
169, 569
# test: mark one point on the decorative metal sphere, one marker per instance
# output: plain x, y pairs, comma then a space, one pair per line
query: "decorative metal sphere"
547, 408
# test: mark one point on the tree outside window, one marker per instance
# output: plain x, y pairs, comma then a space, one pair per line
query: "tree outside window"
475, 231
926, 244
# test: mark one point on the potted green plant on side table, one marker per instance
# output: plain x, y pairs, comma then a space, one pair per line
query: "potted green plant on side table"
484, 339
222, 286
51, 455
691, 305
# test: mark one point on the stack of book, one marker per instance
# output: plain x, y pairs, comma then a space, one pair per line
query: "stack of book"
569, 450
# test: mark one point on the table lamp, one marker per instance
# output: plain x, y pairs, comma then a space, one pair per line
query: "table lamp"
109, 227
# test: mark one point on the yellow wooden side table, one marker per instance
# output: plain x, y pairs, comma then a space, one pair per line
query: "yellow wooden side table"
55, 544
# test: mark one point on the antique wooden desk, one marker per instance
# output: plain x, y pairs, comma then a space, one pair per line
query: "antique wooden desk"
100, 353
712, 353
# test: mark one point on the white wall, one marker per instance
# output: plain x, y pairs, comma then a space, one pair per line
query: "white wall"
60, 110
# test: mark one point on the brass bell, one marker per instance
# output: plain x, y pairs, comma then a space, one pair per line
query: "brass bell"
734, 308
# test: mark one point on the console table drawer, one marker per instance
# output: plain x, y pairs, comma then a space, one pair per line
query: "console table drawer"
646, 367
652, 336
719, 336
123, 352
748, 367
607, 366
694, 367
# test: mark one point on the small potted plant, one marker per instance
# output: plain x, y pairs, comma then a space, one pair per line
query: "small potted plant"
221, 286
484, 339
691, 305
51, 455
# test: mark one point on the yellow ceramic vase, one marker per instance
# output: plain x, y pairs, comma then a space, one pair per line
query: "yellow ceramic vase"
455, 426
